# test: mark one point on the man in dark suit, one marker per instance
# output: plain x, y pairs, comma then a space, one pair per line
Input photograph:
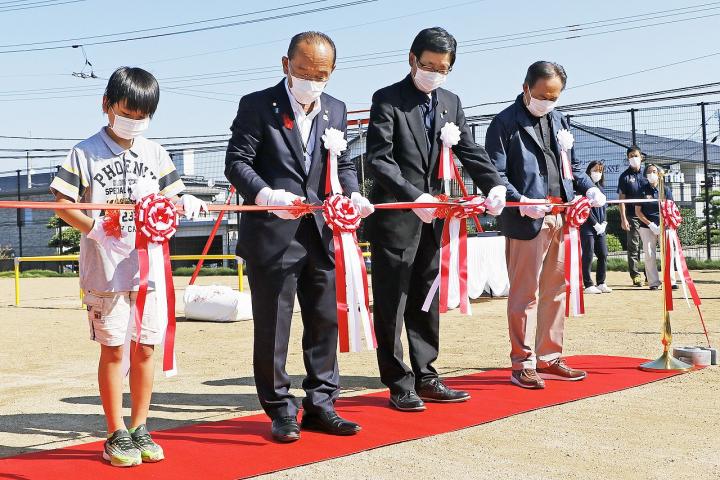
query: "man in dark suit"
403, 146
275, 157
531, 146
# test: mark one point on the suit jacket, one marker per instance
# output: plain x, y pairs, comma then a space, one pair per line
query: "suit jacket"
263, 152
401, 165
517, 153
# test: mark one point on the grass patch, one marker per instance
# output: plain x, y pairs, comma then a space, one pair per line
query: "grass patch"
205, 272
620, 265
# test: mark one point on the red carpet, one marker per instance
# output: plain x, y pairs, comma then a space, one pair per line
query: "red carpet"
241, 447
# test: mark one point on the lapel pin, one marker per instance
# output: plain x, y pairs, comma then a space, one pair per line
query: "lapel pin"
275, 107
325, 117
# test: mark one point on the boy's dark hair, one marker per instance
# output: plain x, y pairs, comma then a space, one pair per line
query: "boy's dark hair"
436, 40
594, 164
137, 87
311, 36
633, 149
545, 69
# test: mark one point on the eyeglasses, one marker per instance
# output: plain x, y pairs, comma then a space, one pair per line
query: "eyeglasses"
307, 77
429, 68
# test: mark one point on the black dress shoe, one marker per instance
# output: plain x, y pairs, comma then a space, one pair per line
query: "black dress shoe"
434, 390
407, 402
329, 422
285, 429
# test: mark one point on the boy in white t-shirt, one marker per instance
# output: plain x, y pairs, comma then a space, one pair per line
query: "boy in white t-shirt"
106, 168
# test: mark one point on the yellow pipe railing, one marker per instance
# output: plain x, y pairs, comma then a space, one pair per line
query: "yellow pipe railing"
75, 258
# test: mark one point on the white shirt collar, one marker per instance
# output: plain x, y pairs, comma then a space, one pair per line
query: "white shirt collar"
298, 108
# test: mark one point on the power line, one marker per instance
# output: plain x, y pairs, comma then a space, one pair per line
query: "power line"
199, 29
33, 5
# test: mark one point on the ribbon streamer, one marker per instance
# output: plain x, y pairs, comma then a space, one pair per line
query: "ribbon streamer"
577, 213
674, 254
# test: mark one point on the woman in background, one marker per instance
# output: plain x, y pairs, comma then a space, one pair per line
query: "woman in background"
649, 215
593, 238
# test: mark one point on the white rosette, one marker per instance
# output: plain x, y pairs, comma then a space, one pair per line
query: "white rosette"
449, 136
335, 143
565, 141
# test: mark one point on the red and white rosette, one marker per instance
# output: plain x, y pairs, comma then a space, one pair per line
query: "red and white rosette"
355, 328
447, 170
575, 215
675, 258
565, 141
156, 221
453, 276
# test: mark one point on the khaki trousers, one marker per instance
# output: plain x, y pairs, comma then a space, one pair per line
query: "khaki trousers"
536, 301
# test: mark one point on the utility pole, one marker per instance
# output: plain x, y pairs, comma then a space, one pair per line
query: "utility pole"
19, 217
707, 179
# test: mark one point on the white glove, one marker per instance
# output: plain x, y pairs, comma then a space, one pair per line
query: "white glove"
426, 214
596, 197
270, 197
495, 201
109, 243
600, 227
534, 211
192, 206
654, 228
362, 204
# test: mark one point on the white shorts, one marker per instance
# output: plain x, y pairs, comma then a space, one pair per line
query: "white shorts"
110, 315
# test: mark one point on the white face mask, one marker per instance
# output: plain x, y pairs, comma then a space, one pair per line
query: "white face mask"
540, 108
306, 91
652, 178
634, 162
595, 176
428, 81
127, 128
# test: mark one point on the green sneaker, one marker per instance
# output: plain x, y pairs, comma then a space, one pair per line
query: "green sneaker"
120, 450
637, 282
149, 450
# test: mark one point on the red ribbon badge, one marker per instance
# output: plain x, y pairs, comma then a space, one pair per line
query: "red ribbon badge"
156, 221
111, 224
287, 121
575, 215
353, 316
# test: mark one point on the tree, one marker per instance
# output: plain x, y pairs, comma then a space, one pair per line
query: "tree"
69, 241
712, 214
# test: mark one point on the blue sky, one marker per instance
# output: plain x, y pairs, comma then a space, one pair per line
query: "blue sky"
382, 26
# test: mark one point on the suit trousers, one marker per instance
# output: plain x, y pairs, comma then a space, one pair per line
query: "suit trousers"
401, 281
536, 301
306, 269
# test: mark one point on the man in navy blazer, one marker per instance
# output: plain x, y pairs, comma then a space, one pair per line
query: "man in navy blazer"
530, 144
275, 157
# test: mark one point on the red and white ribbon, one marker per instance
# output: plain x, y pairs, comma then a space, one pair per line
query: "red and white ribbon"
674, 255
156, 221
565, 141
353, 303
351, 283
575, 215
449, 136
453, 256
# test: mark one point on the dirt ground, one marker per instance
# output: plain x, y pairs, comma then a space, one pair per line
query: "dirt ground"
669, 429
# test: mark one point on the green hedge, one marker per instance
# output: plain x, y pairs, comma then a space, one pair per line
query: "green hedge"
205, 272
620, 265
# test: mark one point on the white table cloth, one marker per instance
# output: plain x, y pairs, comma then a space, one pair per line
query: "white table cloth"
487, 270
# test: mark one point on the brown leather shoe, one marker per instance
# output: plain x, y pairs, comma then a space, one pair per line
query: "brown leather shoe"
527, 378
559, 370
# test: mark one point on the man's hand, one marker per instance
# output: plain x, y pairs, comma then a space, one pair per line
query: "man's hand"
270, 197
596, 197
495, 201
600, 228
109, 243
534, 211
193, 206
624, 224
426, 214
654, 228
362, 204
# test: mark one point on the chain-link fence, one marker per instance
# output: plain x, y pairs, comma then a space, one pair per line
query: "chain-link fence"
682, 139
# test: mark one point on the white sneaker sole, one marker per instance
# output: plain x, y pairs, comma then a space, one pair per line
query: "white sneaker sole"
550, 376
517, 382
121, 464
